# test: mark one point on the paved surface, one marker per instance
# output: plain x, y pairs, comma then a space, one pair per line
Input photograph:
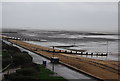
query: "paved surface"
58, 68
98, 68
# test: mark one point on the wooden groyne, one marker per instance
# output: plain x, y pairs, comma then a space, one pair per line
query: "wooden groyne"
76, 52
105, 70
71, 51
24, 39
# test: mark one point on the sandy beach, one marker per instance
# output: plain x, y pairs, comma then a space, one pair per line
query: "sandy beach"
105, 70
83, 35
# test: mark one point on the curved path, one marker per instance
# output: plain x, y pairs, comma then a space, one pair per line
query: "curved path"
105, 70
57, 68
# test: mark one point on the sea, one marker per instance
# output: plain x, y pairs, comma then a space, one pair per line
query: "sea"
91, 42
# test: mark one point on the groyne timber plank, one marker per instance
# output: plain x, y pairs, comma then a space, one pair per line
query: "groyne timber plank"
83, 64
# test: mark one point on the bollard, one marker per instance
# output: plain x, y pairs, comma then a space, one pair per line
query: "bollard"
44, 63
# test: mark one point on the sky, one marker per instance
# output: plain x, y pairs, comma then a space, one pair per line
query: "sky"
78, 16
59, 0
0, 17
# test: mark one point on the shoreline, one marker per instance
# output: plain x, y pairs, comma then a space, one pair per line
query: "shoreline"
100, 55
85, 62
71, 67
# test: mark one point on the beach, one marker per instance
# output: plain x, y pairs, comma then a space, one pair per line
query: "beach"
105, 70
81, 35
73, 40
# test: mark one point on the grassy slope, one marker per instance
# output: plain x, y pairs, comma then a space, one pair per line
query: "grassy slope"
29, 70
46, 75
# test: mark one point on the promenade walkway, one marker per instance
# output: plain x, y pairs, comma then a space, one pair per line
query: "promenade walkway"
105, 70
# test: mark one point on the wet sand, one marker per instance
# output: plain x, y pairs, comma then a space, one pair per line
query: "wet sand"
105, 70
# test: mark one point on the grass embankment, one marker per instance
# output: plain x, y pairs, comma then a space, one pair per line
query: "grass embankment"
102, 69
6, 57
47, 75
0, 56
28, 70
13, 55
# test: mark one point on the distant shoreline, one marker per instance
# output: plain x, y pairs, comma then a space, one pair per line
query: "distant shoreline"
89, 32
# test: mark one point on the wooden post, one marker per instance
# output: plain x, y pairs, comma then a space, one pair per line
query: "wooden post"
76, 52
53, 51
107, 47
65, 51
60, 51
91, 54
71, 52
81, 53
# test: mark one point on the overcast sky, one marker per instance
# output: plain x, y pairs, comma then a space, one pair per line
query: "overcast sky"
80, 16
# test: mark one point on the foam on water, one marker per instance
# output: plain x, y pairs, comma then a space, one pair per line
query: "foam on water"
90, 47
92, 42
